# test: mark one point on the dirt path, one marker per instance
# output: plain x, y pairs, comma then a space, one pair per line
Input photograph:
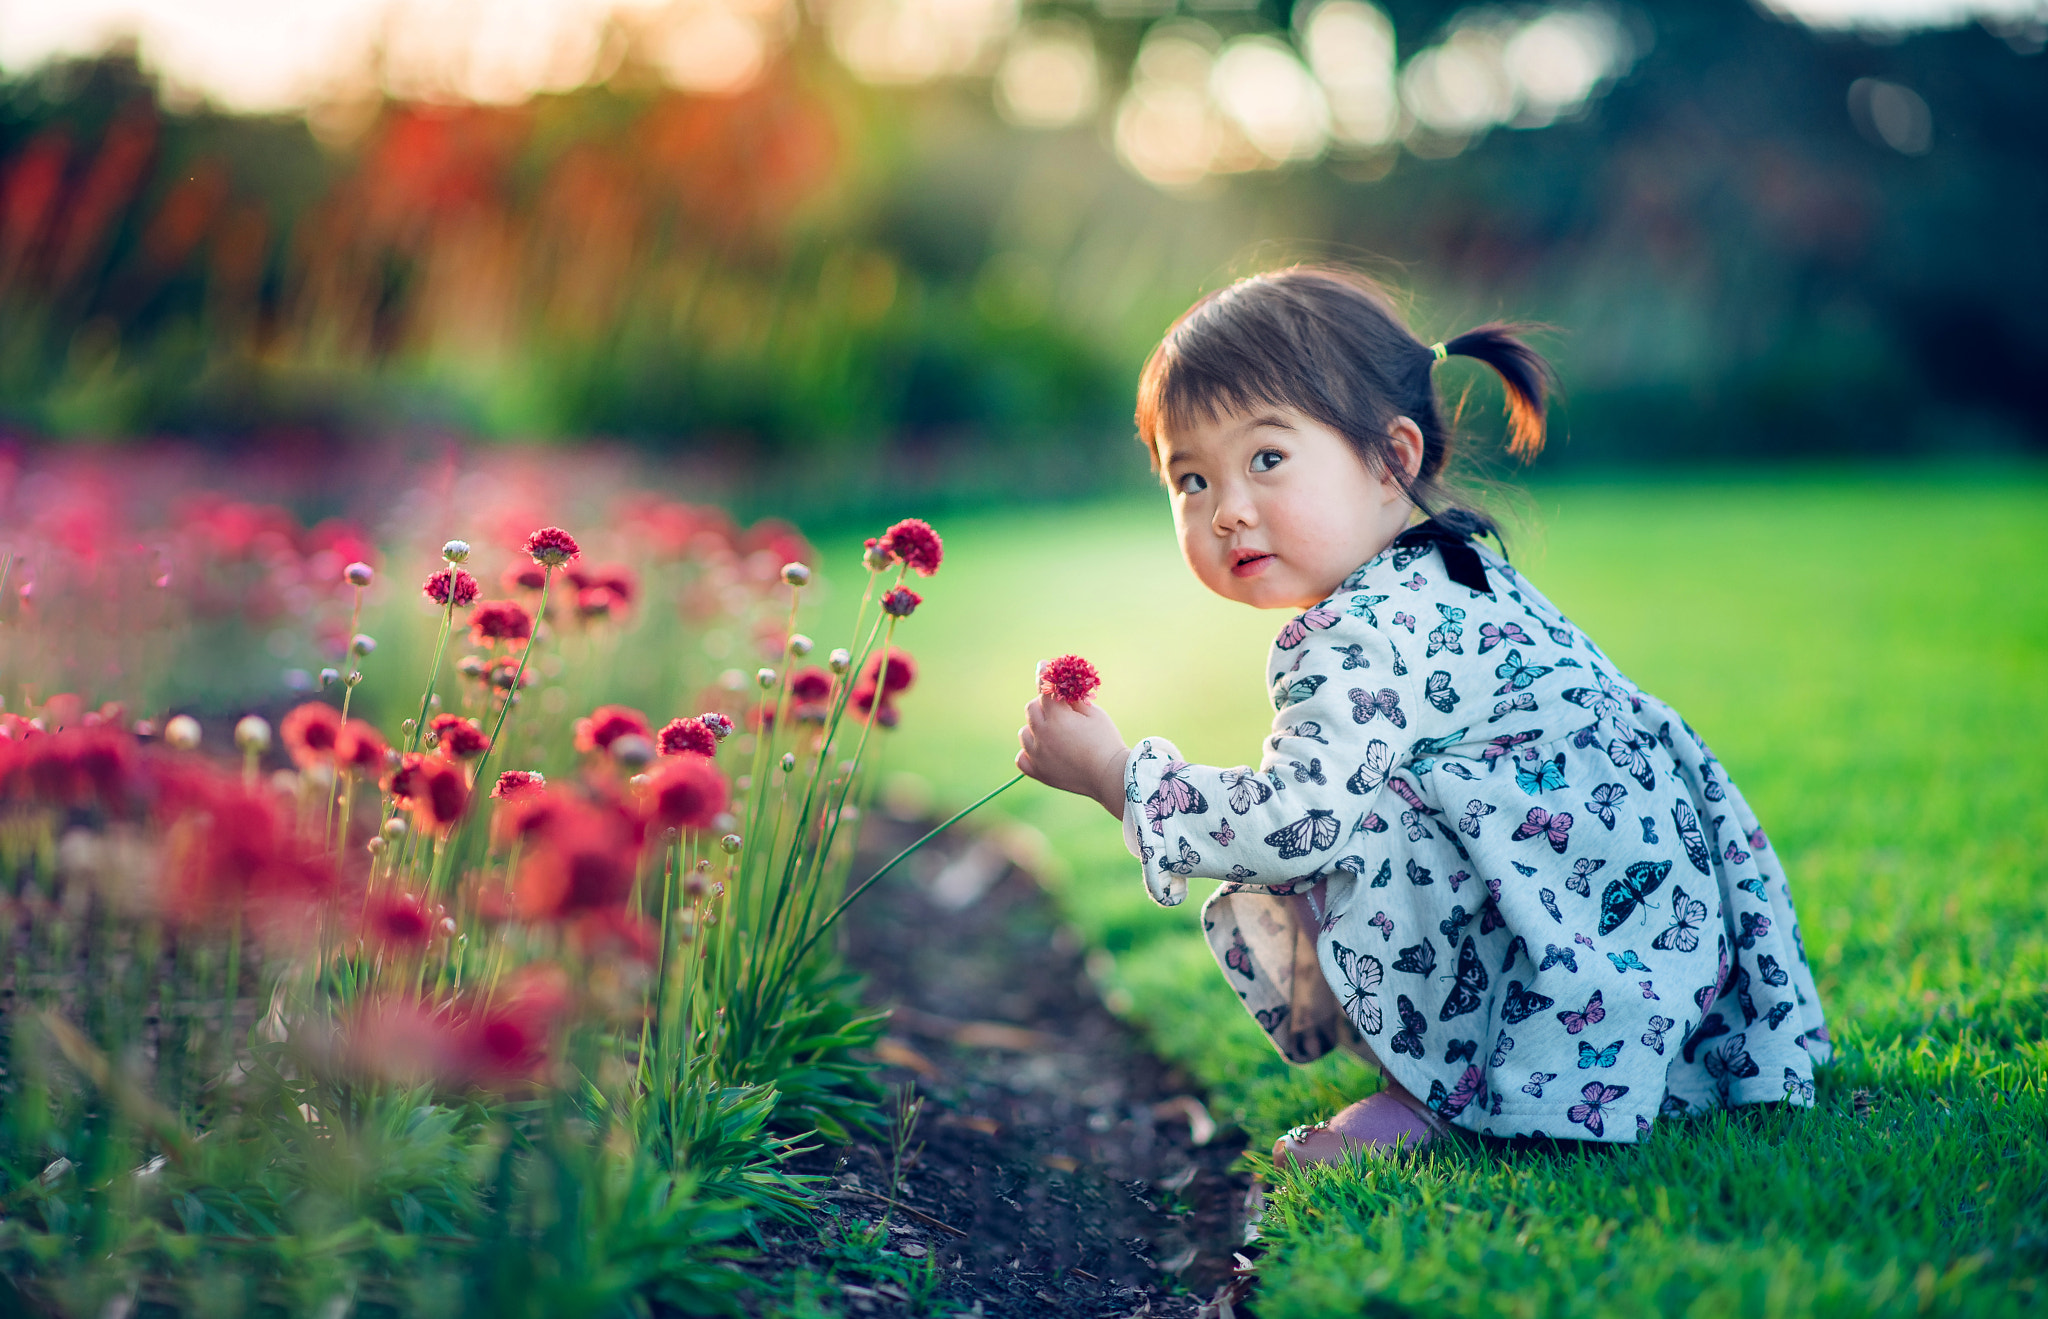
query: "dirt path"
1082, 1175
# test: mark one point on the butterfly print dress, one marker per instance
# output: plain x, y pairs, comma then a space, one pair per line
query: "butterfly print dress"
1479, 855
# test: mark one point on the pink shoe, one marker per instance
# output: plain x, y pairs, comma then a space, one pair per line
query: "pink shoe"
1384, 1121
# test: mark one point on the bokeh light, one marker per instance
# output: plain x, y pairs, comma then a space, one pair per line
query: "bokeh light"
1350, 46
1892, 115
1167, 128
913, 41
1050, 76
1262, 86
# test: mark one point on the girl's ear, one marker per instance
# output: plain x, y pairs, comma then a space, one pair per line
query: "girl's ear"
1406, 438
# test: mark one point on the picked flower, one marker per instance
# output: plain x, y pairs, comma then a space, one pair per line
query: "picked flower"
500, 620
913, 541
452, 585
900, 602
1068, 678
551, 547
458, 737
691, 736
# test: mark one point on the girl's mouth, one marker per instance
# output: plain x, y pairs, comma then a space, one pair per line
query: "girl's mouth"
1250, 563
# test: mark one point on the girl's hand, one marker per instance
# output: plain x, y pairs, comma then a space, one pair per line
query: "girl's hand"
1074, 748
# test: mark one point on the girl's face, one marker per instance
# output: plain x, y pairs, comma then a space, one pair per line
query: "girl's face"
1274, 509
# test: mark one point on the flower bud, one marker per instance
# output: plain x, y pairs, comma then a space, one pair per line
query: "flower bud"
876, 556
731, 843
788, 761
764, 678
638, 781
799, 644
696, 886
182, 731
840, 661
395, 828
362, 644
686, 926
632, 750
407, 727
354, 677
328, 677
358, 574
900, 602
470, 666
455, 551
376, 846
252, 733
796, 574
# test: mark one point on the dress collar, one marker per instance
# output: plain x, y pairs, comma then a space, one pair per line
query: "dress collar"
1461, 562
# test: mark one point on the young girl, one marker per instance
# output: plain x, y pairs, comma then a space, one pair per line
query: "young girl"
1473, 851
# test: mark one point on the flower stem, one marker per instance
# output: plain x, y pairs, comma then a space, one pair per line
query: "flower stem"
892, 863
419, 725
480, 783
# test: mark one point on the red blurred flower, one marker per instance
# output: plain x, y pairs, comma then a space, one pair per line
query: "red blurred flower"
454, 582
1068, 678
810, 684
864, 705
435, 786
399, 920
687, 792
607, 724
512, 1040
551, 547
615, 933
687, 735
524, 577
359, 747
228, 847
500, 620
613, 577
902, 672
900, 601
458, 737
515, 783
913, 541
595, 601
578, 857
311, 732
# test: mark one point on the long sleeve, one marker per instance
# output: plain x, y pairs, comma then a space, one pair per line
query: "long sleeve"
1347, 715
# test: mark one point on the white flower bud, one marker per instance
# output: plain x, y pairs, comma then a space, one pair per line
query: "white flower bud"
395, 828
788, 761
799, 644
455, 551
363, 644
252, 733
182, 731
764, 678
840, 660
358, 574
731, 843
796, 574
328, 677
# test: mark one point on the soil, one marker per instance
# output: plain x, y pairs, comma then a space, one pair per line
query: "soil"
1064, 1170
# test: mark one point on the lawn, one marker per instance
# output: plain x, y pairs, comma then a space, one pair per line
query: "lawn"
1864, 652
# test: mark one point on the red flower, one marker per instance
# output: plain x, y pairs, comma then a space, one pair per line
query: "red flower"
500, 620
359, 747
310, 732
687, 735
899, 602
458, 737
515, 783
453, 582
607, 724
864, 705
902, 672
595, 601
809, 684
525, 577
913, 541
1068, 678
512, 1040
615, 933
435, 786
612, 577
400, 920
578, 858
551, 547
687, 792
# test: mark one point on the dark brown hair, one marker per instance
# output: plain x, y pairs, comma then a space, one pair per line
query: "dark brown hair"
1328, 343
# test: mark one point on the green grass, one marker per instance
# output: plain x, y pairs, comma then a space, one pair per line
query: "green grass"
1867, 654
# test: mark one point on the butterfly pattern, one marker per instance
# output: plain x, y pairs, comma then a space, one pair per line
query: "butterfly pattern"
1693, 990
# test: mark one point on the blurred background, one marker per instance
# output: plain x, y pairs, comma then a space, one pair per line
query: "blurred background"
827, 257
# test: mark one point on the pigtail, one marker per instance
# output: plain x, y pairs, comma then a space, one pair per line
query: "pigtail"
1527, 377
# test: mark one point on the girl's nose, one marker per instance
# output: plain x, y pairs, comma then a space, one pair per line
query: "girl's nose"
1233, 511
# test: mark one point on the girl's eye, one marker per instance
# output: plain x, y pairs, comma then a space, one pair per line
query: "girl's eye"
1190, 484
1265, 460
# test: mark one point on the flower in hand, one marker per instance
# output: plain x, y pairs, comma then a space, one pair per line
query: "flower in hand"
1070, 743
1068, 678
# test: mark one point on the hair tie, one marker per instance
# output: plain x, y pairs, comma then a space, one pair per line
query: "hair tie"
1439, 351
